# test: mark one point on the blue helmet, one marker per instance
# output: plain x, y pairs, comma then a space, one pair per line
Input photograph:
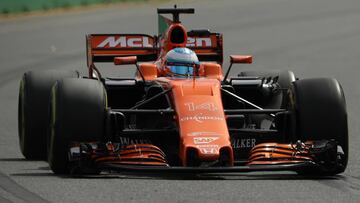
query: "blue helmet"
181, 61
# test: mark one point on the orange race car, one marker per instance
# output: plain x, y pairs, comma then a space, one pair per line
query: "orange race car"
180, 113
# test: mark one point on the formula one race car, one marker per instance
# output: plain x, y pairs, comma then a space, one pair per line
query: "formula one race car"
180, 113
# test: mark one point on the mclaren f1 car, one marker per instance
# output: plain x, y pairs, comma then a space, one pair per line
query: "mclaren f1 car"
180, 112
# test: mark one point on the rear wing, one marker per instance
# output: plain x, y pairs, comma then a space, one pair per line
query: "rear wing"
105, 47
207, 46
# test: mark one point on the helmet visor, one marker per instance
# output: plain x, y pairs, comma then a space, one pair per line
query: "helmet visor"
182, 70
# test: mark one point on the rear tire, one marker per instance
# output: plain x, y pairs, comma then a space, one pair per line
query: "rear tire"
78, 111
33, 112
320, 110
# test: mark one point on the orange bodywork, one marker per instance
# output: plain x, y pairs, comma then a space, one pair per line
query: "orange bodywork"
200, 117
197, 102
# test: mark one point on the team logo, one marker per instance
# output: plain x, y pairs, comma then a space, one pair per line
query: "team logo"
199, 42
125, 41
209, 150
204, 140
243, 143
193, 134
127, 141
200, 118
209, 106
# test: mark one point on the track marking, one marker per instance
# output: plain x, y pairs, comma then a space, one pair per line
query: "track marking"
10, 186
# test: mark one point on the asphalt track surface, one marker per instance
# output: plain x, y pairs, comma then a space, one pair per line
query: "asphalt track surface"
313, 38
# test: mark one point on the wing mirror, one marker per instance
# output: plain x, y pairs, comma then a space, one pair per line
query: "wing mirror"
128, 60
243, 59
125, 60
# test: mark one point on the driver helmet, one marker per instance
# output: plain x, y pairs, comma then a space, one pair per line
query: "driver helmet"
180, 62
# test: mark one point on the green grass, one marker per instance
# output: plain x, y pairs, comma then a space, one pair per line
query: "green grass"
23, 6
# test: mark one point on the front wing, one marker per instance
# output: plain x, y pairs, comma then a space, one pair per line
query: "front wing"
316, 156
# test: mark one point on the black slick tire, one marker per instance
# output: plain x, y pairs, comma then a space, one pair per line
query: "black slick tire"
320, 109
34, 94
78, 111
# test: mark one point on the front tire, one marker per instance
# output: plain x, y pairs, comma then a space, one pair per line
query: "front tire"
78, 111
320, 109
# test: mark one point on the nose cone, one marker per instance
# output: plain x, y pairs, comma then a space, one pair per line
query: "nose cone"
202, 125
